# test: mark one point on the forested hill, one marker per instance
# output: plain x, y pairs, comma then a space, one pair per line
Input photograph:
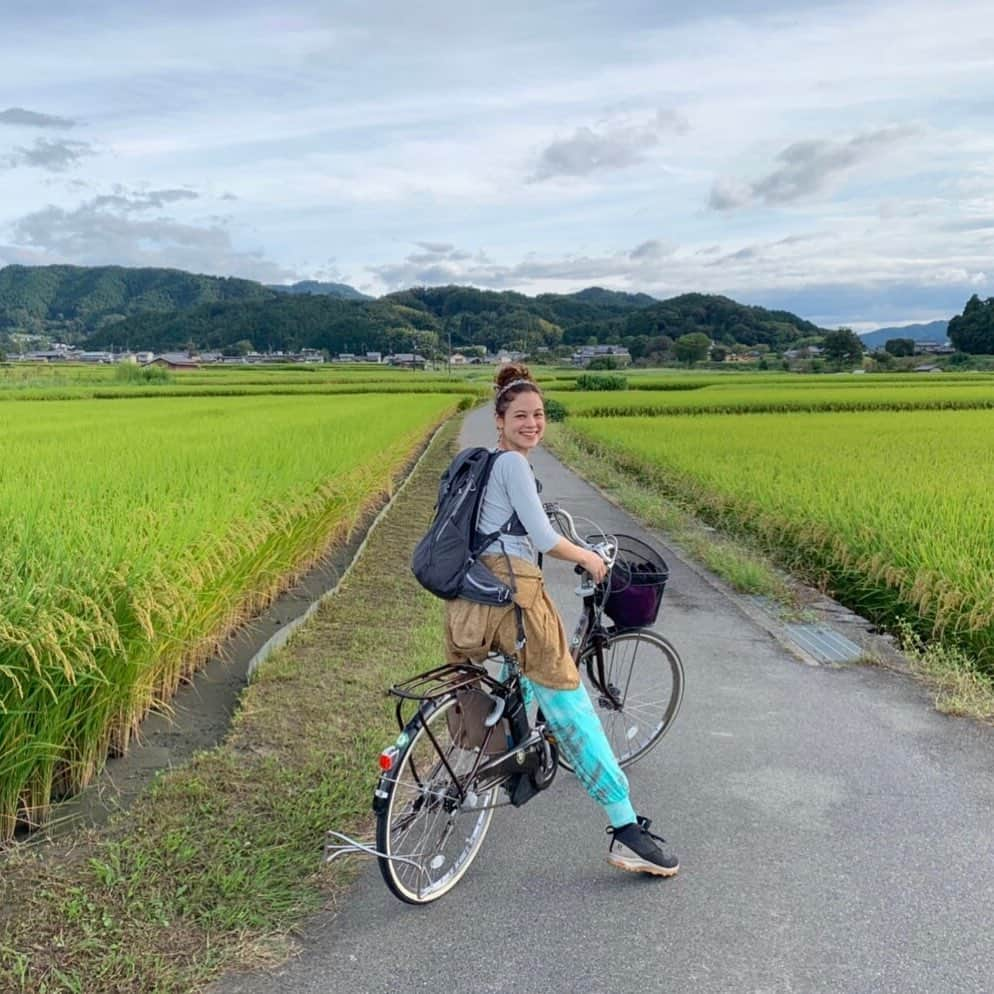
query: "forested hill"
165, 309
75, 301
342, 290
424, 319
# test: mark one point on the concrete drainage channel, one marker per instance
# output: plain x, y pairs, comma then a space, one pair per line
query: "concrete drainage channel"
199, 714
835, 636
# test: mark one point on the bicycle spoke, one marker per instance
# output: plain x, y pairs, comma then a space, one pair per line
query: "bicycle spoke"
433, 816
643, 685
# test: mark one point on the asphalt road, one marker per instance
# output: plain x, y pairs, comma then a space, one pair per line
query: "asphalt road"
835, 834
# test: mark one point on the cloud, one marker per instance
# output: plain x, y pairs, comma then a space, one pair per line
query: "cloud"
779, 274
109, 229
56, 155
616, 146
436, 248
653, 249
479, 269
129, 203
807, 167
20, 116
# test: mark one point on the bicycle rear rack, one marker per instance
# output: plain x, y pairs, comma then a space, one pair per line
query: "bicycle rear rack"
443, 680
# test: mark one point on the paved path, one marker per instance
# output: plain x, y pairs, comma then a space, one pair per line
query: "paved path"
835, 834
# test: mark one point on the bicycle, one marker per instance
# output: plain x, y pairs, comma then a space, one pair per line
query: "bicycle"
469, 736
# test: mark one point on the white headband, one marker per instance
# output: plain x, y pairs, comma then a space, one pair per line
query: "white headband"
516, 383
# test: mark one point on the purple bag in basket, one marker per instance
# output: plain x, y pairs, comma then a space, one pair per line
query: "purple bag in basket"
636, 589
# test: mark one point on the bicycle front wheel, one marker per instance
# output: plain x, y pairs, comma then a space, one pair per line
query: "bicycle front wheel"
432, 823
643, 676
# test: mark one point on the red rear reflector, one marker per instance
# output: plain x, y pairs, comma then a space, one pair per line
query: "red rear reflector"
386, 759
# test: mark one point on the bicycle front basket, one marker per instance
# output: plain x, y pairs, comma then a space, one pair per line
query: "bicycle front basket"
635, 586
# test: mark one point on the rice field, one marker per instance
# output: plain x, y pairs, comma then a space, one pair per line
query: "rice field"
733, 397
136, 534
74, 382
896, 507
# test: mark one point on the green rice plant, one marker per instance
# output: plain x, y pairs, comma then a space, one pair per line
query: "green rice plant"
137, 534
601, 381
130, 372
36, 380
117, 391
809, 395
893, 510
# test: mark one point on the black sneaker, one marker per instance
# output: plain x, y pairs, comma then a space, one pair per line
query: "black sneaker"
633, 847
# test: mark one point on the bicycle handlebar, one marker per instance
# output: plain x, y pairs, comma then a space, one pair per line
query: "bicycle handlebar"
607, 550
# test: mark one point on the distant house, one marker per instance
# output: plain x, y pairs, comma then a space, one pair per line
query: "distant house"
587, 353
51, 355
805, 352
409, 360
457, 359
928, 368
505, 356
174, 360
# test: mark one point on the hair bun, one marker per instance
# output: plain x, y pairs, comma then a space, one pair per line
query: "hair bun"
510, 372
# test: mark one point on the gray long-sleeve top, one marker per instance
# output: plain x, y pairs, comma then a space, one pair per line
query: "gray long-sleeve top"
511, 489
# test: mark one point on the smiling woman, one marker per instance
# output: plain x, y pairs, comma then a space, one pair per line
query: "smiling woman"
137, 533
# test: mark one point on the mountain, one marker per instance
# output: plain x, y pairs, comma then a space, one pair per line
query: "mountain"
102, 306
934, 331
721, 319
429, 318
342, 290
613, 299
75, 301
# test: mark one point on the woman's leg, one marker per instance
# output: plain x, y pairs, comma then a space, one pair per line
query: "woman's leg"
580, 735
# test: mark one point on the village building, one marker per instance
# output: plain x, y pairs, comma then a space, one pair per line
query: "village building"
587, 353
407, 360
174, 360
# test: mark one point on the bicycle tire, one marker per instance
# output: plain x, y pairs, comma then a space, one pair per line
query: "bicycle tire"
421, 820
646, 673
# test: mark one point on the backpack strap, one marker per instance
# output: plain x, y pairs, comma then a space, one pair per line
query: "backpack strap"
482, 541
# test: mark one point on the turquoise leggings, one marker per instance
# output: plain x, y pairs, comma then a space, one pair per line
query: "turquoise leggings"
580, 736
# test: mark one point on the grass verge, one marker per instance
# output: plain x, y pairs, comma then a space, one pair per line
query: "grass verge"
217, 863
960, 688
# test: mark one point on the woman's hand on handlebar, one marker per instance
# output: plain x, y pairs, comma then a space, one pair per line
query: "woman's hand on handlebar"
584, 557
594, 564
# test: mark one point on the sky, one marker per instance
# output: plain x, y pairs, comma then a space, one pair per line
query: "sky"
832, 159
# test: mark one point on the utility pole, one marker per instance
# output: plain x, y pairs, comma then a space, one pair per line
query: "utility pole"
449, 363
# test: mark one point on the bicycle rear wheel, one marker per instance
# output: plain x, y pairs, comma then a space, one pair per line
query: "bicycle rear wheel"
644, 674
432, 823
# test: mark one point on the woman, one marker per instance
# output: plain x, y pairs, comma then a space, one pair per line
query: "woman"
551, 676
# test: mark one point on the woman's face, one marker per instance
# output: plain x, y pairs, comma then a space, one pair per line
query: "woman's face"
523, 423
